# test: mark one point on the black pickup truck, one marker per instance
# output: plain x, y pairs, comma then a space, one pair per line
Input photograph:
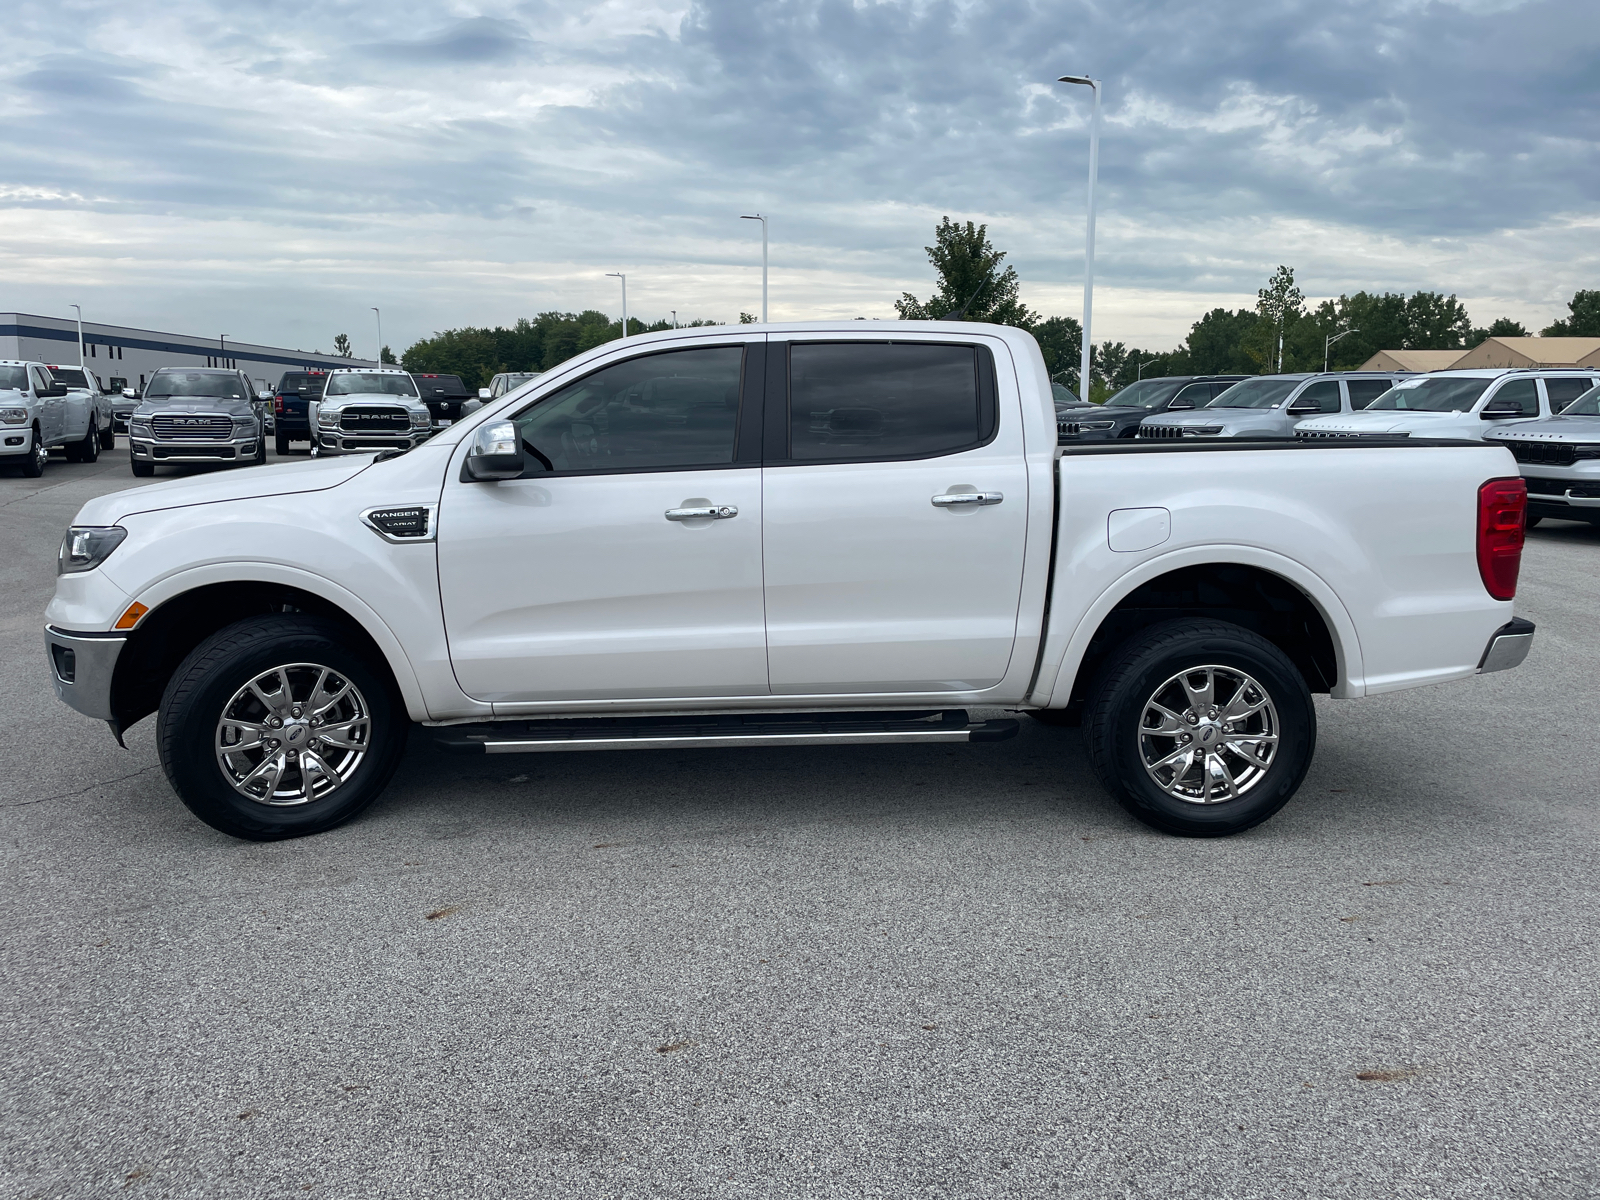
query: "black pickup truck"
444, 396
290, 402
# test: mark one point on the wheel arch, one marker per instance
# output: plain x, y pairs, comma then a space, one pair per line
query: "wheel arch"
1270, 594
189, 607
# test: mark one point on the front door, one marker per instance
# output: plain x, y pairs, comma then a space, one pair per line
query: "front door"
592, 577
896, 511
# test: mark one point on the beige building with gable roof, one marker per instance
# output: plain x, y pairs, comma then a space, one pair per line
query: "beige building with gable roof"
1493, 352
1411, 360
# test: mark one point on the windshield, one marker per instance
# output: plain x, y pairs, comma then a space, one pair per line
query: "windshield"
71, 376
441, 385
362, 384
1438, 393
14, 379
1064, 397
302, 383
1586, 405
1146, 393
221, 386
1255, 393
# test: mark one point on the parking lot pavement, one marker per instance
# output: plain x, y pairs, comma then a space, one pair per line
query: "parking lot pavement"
866, 971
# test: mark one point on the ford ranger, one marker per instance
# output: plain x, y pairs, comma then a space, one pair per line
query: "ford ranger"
783, 535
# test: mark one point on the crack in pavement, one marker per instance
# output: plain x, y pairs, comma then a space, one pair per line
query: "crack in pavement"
80, 791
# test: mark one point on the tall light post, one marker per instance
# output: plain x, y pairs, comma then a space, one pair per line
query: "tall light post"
379, 316
1088, 241
1327, 344
763, 220
674, 318
624, 278
80, 335
222, 340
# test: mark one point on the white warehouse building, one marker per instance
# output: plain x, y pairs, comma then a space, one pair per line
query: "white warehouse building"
120, 356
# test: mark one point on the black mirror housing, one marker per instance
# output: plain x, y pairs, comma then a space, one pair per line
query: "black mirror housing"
1176, 405
1301, 408
1500, 410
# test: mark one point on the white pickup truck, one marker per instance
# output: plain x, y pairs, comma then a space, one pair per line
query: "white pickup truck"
783, 535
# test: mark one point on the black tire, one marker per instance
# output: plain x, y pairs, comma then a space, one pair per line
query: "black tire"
86, 450
281, 443
1133, 678
1531, 521
200, 690
260, 460
141, 470
108, 437
33, 464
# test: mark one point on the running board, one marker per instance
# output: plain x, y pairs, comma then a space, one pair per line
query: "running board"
742, 729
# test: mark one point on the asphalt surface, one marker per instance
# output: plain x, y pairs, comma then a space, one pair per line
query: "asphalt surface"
885, 971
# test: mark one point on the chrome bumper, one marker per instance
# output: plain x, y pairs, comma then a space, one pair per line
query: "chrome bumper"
1508, 647
343, 441
81, 668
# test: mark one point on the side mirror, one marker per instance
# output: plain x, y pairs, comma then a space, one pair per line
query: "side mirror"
496, 453
129, 394
1304, 408
468, 407
483, 394
1499, 410
264, 395
1178, 405
55, 389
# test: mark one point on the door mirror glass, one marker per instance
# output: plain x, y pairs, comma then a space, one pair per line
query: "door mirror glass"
129, 394
484, 394
496, 453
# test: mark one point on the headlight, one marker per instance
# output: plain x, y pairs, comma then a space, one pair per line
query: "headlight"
1095, 424
14, 416
1202, 431
326, 419
421, 420
244, 424
87, 546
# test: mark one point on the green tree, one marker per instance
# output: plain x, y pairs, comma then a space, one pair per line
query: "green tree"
1279, 307
1584, 320
969, 276
1216, 344
386, 355
1499, 327
1436, 322
1061, 342
341, 345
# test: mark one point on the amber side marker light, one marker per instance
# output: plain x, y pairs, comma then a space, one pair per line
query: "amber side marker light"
131, 618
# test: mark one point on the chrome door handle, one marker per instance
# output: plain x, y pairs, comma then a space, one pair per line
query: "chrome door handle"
718, 512
950, 499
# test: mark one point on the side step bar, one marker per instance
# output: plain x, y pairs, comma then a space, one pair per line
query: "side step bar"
742, 729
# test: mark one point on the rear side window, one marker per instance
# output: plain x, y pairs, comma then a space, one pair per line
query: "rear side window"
659, 412
1563, 392
1523, 392
71, 376
1364, 391
1325, 392
887, 400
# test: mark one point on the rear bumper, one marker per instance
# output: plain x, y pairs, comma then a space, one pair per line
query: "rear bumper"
81, 668
1508, 647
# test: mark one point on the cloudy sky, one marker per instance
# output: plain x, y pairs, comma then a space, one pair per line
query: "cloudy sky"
273, 170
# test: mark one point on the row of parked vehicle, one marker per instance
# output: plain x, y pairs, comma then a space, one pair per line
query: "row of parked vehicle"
45, 407
1546, 416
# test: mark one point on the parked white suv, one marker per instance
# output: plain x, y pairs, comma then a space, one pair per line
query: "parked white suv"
1560, 460
39, 413
1456, 404
368, 409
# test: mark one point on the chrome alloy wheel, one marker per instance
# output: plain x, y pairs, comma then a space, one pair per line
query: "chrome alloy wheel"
293, 734
1208, 735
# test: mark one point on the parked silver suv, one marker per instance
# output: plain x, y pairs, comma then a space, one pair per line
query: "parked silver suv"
1270, 406
368, 409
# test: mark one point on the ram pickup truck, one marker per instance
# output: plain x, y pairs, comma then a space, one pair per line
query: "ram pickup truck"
783, 535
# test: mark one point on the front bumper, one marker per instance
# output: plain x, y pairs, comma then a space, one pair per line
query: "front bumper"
1553, 490
81, 668
341, 441
16, 440
157, 451
1508, 647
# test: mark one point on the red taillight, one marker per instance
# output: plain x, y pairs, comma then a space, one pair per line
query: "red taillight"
277, 404
1502, 510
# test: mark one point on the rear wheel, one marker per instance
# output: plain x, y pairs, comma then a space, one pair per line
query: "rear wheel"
108, 437
281, 443
33, 462
275, 728
86, 450
1531, 520
1200, 728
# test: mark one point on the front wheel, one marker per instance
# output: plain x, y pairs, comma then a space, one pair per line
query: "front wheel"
34, 462
1200, 728
275, 728
141, 470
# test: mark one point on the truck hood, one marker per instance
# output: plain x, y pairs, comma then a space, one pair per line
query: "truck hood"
1383, 422
238, 483
1228, 418
195, 404
1554, 429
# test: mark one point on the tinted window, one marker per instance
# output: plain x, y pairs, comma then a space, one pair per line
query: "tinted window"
221, 385
302, 383
1586, 405
73, 377
1563, 392
1364, 391
1523, 392
1255, 393
440, 385
1146, 393
1325, 392
880, 400
1435, 393
661, 411
374, 383
1196, 395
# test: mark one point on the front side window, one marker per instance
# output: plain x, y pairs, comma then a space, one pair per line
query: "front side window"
1437, 393
1524, 393
40, 383
1563, 392
1586, 405
1364, 391
1255, 393
361, 383
659, 412
882, 400
213, 385
1325, 392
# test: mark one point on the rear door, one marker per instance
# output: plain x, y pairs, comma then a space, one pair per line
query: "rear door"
1364, 391
1563, 390
896, 506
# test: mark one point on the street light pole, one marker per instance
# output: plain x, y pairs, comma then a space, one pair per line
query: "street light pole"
763, 220
380, 338
223, 341
674, 318
1088, 241
624, 278
1328, 342
80, 335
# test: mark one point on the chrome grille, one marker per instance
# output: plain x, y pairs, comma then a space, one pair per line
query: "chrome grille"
192, 427
374, 418
1552, 454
